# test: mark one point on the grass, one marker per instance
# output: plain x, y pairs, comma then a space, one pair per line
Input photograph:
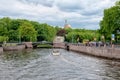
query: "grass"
44, 46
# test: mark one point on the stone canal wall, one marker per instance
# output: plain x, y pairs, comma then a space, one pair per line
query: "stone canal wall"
14, 48
113, 53
107, 52
1, 49
28, 44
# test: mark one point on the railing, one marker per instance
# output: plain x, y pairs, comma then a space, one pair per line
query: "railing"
97, 45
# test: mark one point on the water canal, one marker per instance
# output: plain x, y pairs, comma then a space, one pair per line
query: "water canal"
39, 64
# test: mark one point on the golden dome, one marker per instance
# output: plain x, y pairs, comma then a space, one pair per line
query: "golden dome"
67, 26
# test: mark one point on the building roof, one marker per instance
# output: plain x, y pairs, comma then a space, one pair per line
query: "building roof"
67, 26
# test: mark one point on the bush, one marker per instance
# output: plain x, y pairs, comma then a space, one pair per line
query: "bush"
3, 38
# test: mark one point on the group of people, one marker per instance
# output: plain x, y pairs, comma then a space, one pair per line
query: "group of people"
97, 44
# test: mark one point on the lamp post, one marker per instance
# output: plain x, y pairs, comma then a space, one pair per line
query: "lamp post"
19, 37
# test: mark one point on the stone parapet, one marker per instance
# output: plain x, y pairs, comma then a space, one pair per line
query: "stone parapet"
28, 44
107, 52
13, 48
59, 45
113, 53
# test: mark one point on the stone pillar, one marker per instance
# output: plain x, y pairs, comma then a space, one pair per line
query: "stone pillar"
28, 44
1, 49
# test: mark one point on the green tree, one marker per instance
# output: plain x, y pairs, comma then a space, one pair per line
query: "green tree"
13, 35
44, 31
117, 3
7, 22
78, 35
111, 21
27, 32
47, 32
3, 38
3, 29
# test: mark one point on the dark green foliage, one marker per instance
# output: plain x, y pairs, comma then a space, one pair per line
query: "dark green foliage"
45, 32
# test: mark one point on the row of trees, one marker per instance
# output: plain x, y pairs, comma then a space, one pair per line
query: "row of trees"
79, 35
14, 30
83, 35
110, 23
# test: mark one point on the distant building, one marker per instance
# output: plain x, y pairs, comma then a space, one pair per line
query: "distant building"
58, 39
67, 25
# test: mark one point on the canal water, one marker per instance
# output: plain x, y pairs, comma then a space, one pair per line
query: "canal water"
40, 64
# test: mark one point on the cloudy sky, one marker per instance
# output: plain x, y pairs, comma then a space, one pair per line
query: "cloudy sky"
79, 13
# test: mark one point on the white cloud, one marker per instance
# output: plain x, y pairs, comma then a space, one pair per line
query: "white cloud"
80, 13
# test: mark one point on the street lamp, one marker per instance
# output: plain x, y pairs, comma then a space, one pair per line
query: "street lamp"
19, 37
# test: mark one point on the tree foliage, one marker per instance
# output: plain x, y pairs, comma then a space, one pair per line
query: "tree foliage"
27, 30
78, 35
45, 32
111, 21
14, 30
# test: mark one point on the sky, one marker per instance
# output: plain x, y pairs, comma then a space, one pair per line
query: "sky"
85, 14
